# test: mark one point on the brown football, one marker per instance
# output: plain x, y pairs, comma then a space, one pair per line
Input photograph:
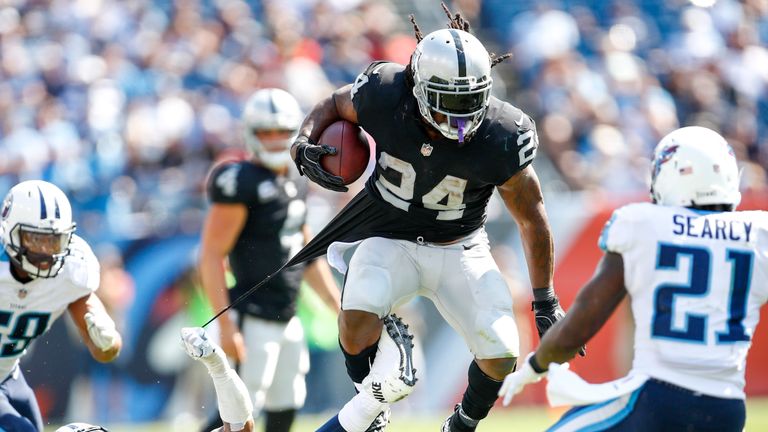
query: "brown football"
352, 150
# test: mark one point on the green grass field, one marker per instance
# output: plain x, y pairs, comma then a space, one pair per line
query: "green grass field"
517, 419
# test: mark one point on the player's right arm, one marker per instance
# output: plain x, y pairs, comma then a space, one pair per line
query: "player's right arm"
222, 227
307, 153
592, 307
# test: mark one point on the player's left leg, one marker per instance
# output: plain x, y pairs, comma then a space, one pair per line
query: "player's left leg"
288, 390
472, 295
18, 407
392, 377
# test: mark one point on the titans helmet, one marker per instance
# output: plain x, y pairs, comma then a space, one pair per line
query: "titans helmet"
81, 427
694, 166
36, 224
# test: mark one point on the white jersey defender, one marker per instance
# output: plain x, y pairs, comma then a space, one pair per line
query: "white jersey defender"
697, 281
28, 310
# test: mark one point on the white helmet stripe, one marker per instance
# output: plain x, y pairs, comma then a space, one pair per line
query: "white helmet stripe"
462, 59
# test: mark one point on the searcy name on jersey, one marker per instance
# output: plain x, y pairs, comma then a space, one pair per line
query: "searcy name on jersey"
710, 228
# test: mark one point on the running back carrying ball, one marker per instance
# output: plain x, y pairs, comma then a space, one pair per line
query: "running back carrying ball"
352, 153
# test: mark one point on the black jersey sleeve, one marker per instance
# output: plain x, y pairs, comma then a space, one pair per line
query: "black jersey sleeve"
230, 183
374, 90
516, 131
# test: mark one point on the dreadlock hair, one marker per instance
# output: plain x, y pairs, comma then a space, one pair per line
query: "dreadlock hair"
455, 21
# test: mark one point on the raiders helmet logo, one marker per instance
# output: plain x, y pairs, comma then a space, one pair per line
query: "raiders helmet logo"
426, 149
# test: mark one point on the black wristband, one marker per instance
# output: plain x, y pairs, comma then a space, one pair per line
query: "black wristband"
552, 302
543, 293
535, 365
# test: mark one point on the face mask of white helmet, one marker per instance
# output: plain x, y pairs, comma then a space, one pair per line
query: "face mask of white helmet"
271, 110
37, 227
695, 166
452, 82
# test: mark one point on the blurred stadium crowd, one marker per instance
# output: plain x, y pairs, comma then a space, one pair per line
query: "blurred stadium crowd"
125, 104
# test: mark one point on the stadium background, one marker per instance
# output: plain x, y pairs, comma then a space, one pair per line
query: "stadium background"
125, 105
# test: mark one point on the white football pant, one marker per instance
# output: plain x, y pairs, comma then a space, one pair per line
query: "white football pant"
276, 364
461, 279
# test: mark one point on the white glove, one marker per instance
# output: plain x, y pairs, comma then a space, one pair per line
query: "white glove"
196, 343
514, 382
102, 330
199, 346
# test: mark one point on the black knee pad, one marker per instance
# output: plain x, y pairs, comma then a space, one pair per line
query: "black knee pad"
359, 365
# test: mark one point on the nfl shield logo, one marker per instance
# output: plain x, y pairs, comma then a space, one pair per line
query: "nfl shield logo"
22, 293
426, 149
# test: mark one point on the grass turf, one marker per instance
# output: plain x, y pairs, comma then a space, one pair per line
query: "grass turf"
533, 419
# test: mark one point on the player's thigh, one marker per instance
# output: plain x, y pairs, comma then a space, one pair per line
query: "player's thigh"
657, 406
382, 272
263, 341
474, 298
18, 407
288, 389
675, 408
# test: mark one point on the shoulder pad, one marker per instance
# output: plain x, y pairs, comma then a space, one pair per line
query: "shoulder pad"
81, 266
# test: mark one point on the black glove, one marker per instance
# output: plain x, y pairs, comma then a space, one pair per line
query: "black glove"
308, 162
547, 313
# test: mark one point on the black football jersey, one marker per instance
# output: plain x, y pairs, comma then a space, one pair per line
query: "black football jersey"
444, 187
271, 235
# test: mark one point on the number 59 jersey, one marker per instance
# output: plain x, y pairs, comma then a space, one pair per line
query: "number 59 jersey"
28, 310
697, 281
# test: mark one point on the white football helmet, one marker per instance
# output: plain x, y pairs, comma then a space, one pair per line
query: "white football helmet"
37, 214
694, 166
452, 76
81, 427
271, 109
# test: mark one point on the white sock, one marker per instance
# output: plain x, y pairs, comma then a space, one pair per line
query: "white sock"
360, 412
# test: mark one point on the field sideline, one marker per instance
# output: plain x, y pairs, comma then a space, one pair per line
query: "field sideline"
517, 419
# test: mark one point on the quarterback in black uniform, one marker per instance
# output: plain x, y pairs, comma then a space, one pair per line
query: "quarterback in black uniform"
443, 144
257, 220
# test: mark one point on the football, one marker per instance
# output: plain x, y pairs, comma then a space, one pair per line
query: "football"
352, 150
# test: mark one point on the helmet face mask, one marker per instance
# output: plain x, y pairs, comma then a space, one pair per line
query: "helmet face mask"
271, 120
452, 82
695, 166
37, 228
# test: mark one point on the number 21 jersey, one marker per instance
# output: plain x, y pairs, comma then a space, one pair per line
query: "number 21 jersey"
697, 281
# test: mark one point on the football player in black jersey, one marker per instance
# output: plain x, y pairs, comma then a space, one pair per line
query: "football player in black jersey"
443, 145
257, 221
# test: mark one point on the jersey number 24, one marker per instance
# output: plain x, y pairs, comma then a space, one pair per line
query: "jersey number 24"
695, 327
